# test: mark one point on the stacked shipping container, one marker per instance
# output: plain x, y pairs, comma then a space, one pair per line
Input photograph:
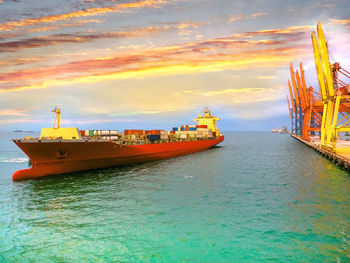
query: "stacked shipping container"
111, 135
184, 132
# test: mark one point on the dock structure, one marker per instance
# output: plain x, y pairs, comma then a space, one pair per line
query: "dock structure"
340, 159
325, 112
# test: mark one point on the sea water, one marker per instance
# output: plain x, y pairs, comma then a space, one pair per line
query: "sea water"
259, 197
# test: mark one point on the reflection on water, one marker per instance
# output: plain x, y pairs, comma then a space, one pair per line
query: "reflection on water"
258, 197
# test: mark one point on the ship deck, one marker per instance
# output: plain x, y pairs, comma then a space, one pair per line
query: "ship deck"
121, 142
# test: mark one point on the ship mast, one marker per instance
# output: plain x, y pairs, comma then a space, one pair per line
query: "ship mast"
57, 120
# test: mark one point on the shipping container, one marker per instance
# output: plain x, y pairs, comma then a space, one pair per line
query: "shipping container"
156, 131
164, 137
192, 128
113, 132
91, 133
153, 137
175, 129
134, 132
202, 126
82, 132
183, 136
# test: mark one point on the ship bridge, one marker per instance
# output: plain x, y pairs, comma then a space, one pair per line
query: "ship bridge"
209, 120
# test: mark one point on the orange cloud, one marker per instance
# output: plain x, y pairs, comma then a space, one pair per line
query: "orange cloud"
13, 112
16, 120
232, 52
80, 37
19, 61
345, 22
41, 41
265, 77
285, 31
153, 63
236, 17
42, 29
340, 21
258, 14
75, 122
82, 13
74, 24
189, 25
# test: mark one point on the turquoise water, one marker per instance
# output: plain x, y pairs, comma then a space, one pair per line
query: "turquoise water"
260, 197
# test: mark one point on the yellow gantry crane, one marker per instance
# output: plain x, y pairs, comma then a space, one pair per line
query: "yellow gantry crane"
335, 94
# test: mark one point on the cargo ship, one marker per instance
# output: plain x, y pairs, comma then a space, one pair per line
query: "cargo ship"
61, 150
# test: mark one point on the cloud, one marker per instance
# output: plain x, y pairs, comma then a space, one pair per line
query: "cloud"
19, 61
242, 95
238, 17
185, 25
230, 52
82, 13
146, 64
81, 37
265, 77
224, 91
258, 14
345, 22
339, 21
35, 42
14, 112
94, 121
234, 18
112, 111
293, 32
18, 120
73, 24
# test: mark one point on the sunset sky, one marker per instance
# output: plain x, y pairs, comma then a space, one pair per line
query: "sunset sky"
117, 64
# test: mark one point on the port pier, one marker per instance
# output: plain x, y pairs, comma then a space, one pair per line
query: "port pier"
338, 159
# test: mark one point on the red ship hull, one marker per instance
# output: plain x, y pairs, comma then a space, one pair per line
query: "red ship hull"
54, 157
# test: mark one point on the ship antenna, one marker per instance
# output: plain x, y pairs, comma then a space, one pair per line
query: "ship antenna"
57, 120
